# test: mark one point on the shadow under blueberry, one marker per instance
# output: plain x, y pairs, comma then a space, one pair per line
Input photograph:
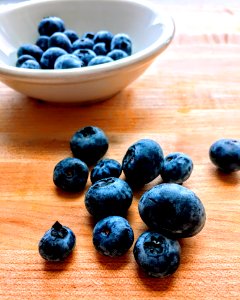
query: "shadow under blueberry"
64, 195
230, 178
113, 263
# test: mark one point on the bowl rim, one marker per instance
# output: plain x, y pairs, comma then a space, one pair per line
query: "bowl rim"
141, 56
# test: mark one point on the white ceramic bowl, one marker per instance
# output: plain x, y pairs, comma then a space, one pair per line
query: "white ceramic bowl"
151, 32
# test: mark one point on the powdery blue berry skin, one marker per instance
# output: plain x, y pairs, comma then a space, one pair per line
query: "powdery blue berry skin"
177, 167
23, 58
83, 44
59, 39
225, 154
123, 42
85, 55
89, 144
99, 60
103, 36
42, 42
68, 61
117, 54
30, 64
49, 57
100, 49
113, 236
173, 210
70, 174
50, 25
142, 162
156, 254
57, 243
88, 34
30, 49
106, 168
108, 197
72, 35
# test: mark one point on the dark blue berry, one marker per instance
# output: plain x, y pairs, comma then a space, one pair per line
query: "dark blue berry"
72, 35
23, 58
225, 154
177, 167
99, 60
68, 61
30, 64
83, 44
173, 210
60, 40
142, 162
49, 57
88, 34
156, 254
106, 168
50, 25
85, 55
113, 236
117, 54
108, 197
30, 49
89, 144
70, 174
100, 49
57, 243
42, 42
123, 42
103, 36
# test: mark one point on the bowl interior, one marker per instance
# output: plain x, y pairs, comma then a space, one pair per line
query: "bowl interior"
18, 24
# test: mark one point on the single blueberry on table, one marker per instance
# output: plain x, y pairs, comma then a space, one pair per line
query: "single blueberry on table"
106, 168
57, 243
142, 162
108, 197
103, 36
50, 25
85, 55
113, 236
42, 42
59, 39
70, 174
72, 35
68, 61
88, 34
177, 167
117, 54
99, 60
156, 254
30, 49
30, 64
123, 42
173, 210
100, 49
89, 144
23, 58
83, 44
49, 57
225, 154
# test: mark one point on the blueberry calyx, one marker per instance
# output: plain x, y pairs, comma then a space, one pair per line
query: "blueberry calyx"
154, 245
58, 230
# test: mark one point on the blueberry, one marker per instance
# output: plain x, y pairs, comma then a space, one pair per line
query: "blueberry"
49, 57
142, 162
23, 58
30, 64
60, 40
50, 25
83, 44
113, 236
225, 154
177, 167
106, 168
103, 36
72, 35
89, 144
123, 42
70, 174
116, 54
84, 55
57, 243
156, 254
173, 210
99, 60
42, 42
30, 49
68, 61
88, 34
100, 49
108, 197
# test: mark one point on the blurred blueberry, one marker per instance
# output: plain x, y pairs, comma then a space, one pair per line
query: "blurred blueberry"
85, 55
83, 44
49, 57
103, 36
49, 25
60, 40
72, 35
99, 60
30, 49
23, 58
42, 42
88, 34
116, 54
68, 61
30, 64
100, 49
123, 42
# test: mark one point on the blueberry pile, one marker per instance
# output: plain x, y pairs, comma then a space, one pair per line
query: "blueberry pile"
61, 48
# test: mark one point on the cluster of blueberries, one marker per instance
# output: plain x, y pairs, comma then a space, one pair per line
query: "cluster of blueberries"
61, 48
170, 210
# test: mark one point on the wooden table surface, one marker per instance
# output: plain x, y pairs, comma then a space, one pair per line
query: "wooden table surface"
186, 100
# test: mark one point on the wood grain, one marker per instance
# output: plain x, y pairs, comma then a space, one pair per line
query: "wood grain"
186, 100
